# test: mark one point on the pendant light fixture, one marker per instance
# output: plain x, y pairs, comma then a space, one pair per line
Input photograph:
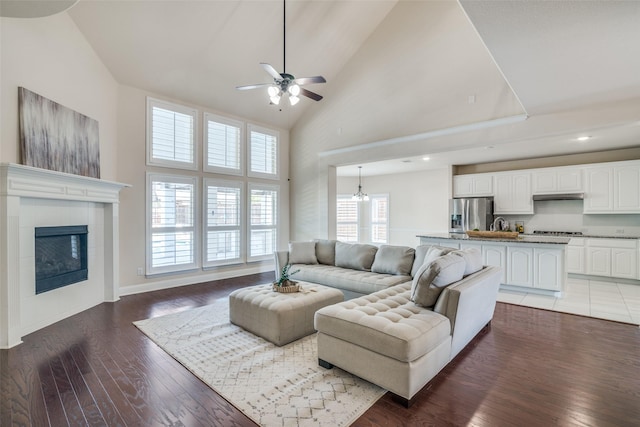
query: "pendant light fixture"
360, 196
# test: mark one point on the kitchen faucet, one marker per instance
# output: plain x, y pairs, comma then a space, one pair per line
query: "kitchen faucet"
499, 224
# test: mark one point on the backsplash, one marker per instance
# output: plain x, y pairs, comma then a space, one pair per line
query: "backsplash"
566, 215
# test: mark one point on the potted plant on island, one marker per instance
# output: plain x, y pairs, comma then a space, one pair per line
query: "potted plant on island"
285, 284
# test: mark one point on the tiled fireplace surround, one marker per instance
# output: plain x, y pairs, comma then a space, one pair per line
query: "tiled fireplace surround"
32, 197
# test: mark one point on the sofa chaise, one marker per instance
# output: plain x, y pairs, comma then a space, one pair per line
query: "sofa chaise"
414, 317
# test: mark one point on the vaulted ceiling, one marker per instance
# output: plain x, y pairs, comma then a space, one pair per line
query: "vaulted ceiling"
573, 66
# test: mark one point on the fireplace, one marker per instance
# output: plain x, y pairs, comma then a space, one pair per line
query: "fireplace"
33, 198
60, 256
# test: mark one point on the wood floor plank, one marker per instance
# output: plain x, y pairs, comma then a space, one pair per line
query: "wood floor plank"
530, 368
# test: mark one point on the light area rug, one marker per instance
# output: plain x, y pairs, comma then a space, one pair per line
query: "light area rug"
274, 386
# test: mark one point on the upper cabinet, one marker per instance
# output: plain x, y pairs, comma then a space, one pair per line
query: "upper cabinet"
612, 189
626, 188
474, 185
557, 180
609, 188
512, 193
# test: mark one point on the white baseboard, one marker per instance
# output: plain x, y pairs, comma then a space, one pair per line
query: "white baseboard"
175, 282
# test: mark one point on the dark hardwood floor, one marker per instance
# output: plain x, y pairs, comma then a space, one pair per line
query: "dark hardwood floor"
530, 368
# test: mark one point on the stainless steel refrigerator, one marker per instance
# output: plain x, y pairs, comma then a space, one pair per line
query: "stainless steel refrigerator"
470, 214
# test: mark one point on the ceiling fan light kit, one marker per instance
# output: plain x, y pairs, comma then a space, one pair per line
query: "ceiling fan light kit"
286, 84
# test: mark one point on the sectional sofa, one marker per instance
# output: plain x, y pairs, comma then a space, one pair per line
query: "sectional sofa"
417, 309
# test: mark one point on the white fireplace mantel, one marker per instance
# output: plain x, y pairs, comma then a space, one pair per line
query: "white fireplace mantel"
19, 182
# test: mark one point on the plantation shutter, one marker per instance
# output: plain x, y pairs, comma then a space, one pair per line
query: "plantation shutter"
171, 139
223, 236
264, 153
172, 223
347, 219
224, 145
263, 209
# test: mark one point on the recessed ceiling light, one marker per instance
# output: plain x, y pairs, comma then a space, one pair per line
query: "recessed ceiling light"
583, 138
426, 158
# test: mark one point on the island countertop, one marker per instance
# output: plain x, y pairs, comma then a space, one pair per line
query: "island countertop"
523, 238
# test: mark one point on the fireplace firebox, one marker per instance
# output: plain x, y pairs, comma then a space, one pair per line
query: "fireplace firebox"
60, 256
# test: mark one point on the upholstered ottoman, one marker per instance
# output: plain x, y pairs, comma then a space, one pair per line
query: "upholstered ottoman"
280, 317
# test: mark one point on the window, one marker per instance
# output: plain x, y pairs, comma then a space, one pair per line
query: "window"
202, 220
171, 223
263, 221
171, 135
223, 236
379, 218
224, 139
263, 152
347, 216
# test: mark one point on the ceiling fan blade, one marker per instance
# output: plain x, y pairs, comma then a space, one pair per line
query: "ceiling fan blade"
309, 80
310, 94
254, 86
272, 71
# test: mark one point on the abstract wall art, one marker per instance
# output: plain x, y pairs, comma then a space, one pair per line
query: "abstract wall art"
57, 138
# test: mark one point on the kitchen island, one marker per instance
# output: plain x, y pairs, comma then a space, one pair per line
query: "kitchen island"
530, 263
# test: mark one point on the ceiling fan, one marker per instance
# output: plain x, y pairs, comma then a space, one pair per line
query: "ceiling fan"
284, 83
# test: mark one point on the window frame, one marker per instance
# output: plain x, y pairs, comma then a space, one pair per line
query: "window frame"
240, 227
347, 197
270, 187
152, 161
174, 268
242, 143
266, 131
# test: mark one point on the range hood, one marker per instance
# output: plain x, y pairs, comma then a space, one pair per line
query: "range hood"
558, 196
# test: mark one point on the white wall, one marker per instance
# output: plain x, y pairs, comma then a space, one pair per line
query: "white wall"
418, 202
132, 170
566, 215
374, 100
49, 56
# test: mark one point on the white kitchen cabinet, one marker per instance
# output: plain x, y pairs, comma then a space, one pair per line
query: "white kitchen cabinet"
613, 188
626, 188
473, 185
598, 195
520, 266
447, 243
575, 256
623, 263
548, 265
513, 193
599, 261
495, 255
526, 266
557, 180
612, 257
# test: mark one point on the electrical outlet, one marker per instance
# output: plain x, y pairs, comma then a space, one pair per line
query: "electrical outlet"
140, 271
619, 230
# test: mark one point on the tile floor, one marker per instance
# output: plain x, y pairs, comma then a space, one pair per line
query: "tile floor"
604, 300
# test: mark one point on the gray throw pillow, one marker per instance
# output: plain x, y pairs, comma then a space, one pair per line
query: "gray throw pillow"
355, 256
326, 251
433, 277
433, 251
421, 251
302, 253
472, 258
393, 260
